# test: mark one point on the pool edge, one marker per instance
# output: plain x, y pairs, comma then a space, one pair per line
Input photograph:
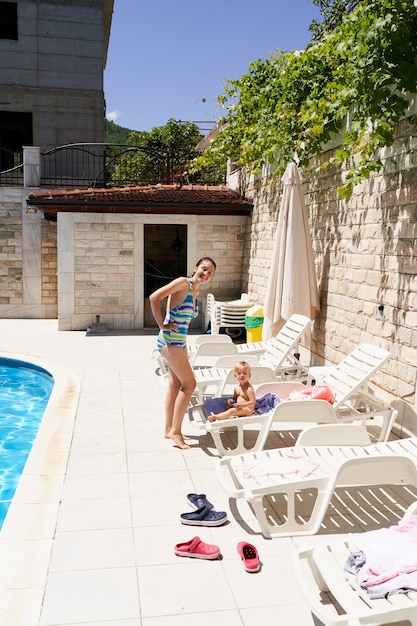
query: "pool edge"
29, 527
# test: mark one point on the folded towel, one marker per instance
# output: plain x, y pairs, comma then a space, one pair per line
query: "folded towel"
263, 405
291, 462
268, 402
217, 405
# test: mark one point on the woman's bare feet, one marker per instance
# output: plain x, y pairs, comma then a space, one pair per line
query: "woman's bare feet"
168, 436
178, 439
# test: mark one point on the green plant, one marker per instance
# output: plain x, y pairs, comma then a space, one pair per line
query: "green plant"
353, 80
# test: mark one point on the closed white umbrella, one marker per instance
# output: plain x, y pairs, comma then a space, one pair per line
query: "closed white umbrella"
292, 282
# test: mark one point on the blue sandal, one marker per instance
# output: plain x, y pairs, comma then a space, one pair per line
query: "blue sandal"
204, 517
198, 501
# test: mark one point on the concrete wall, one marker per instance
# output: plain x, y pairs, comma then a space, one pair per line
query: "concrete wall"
55, 70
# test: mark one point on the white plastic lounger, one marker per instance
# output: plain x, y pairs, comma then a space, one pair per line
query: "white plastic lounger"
335, 598
200, 354
224, 386
207, 353
197, 413
289, 332
279, 357
278, 483
352, 402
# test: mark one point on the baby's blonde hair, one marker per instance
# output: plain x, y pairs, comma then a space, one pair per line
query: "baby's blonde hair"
242, 365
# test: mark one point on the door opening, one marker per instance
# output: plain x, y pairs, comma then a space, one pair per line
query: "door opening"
165, 258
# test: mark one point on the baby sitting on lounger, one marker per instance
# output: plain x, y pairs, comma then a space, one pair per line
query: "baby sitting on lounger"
243, 401
224, 408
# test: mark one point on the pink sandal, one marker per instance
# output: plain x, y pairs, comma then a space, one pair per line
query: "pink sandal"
197, 549
249, 555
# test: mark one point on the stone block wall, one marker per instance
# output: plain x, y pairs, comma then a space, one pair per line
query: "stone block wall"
49, 261
28, 259
103, 268
101, 264
11, 257
365, 258
223, 239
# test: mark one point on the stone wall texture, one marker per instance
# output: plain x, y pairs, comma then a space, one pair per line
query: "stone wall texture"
11, 254
365, 255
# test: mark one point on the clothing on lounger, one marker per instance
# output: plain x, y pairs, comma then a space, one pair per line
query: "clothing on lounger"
389, 558
182, 316
262, 405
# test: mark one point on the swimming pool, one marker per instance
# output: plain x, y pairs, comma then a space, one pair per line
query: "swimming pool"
25, 389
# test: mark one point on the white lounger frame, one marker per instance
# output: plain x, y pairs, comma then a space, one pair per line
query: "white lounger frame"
334, 596
353, 402
279, 357
391, 463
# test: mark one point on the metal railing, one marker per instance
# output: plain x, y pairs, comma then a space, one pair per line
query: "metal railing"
11, 167
101, 165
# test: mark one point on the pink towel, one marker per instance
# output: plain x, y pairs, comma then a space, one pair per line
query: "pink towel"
391, 555
291, 463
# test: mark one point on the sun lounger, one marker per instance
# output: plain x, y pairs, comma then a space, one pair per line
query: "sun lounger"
224, 385
289, 332
334, 596
352, 402
198, 414
279, 357
206, 354
277, 483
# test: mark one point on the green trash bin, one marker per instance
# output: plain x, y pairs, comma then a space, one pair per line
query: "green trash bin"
254, 320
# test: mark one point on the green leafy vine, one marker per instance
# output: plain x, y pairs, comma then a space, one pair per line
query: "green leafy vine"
354, 80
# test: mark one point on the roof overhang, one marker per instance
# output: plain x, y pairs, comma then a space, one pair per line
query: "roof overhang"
154, 199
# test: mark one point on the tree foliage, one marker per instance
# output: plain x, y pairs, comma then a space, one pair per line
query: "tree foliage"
353, 80
331, 13
116, 133
159, 155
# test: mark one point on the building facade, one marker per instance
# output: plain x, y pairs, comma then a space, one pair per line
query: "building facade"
52, 56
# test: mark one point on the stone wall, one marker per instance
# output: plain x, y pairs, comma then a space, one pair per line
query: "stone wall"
49, 262
223, 239
28, 259
11, 257
101, 264
103, 268
365, 254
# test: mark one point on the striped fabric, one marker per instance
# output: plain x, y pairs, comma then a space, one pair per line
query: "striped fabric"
182, 316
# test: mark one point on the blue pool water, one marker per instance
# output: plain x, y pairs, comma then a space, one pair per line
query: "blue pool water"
24, 393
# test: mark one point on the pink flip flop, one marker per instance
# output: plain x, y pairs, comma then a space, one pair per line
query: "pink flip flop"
197, 549
249, 555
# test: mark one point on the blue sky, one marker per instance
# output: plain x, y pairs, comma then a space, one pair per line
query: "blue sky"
169, 59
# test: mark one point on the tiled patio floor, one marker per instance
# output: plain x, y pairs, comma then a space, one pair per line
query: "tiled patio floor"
90, 534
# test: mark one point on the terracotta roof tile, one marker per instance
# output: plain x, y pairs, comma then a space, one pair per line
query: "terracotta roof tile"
150, 196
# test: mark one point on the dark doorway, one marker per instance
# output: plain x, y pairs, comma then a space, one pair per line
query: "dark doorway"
165, 256
15, 132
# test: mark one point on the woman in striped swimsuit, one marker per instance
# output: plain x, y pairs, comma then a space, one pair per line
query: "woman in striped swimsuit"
182, 307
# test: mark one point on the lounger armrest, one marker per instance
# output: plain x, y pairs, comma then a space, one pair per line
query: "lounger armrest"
197, 415
314, 586
234, 422
334, 435
412, 510
227, 478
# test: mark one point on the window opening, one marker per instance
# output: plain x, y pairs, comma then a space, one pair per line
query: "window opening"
8, 20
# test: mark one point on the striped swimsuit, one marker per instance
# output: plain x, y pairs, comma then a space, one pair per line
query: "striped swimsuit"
182, 316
